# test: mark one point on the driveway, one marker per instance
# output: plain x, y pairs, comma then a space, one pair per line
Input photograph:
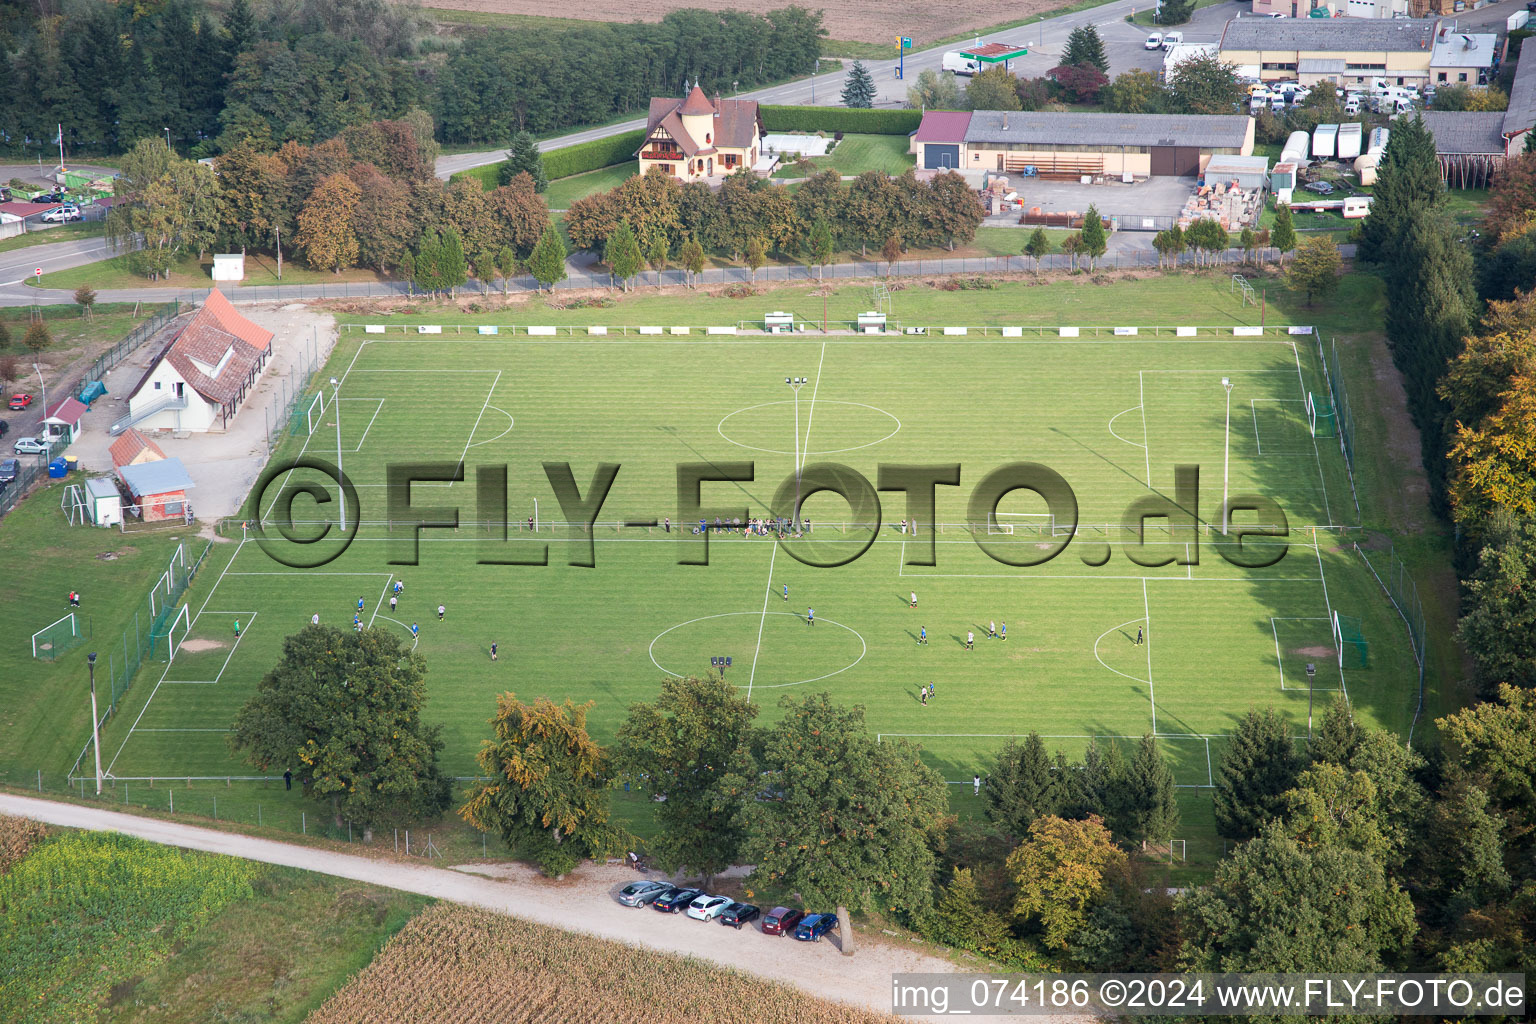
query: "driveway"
584, 898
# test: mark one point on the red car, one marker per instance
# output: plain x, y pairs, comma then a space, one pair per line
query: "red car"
20, 400
781, 921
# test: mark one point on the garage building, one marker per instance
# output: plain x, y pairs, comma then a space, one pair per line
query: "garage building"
1069, 144
939, 139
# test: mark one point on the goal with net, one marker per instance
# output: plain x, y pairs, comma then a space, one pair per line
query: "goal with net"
1348, 638
56, 638
314, 412
166, 642
1033, 524
1320, 415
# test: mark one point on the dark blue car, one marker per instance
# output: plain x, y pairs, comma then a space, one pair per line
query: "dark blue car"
815, 926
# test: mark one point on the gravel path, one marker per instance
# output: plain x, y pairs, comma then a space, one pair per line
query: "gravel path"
582, 902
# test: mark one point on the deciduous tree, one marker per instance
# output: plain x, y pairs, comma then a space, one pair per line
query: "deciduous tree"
690, 746
853, 822
935, 91
756, 255
1498, 627
342, 711
1059, 869
693, 259
821, 245
622, 254
327, 235
1315, 271
1038, 246
547, 790
1204, 84
993, 89
38, 338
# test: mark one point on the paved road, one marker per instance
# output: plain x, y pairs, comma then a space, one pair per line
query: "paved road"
585, 899
18, 265
1045, 39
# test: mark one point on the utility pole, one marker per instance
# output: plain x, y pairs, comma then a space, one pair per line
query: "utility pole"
90, 659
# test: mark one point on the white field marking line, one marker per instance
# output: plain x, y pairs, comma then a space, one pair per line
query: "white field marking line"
1141, 380
414, 640
1111, 426
1111, 629
359, 446
262, 517
762, 620
1252, 404
1207, 736
470, 439
185, 730
504, 433
863, 644
1279, 662
161, 681
1301, 387
250, 618
1151, 686
382, 595
1088, 576
806, 447
780, 451
1323, 578
305, 572
884, 341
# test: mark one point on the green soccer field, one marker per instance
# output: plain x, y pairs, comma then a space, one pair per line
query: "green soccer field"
1113, 416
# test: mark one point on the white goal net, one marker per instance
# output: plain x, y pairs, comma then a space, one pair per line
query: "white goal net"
313, 413
1039, 524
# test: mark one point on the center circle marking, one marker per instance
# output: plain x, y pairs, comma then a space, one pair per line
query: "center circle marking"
863, 647
720, 429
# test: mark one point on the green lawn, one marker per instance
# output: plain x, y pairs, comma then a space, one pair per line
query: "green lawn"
1144, 17
1010, 241
562, 192
45, 705
62, 233
190, 272
1221, 638
859, 153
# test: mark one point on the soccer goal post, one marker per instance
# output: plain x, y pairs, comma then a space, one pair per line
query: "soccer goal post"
1349, 638
314, 412
1320, 415
56, 637
1031, 523
174, 634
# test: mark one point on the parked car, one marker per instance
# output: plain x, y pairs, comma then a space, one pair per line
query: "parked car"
707, 907
30, 446
63, 215
638, 894
1321, 188
676, 899
9, 469
812, 928
1154, 41
781, 921
738, 914
20, 400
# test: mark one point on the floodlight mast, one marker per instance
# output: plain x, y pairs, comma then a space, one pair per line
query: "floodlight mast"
90, 659
795, 384
336, 404
1311, 674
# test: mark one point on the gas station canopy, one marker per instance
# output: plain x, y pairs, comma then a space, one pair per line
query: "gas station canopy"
995, 53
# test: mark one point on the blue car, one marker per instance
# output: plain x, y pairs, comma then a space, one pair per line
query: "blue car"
814, 927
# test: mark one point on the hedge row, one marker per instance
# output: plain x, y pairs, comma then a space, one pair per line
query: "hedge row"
837, 119
589, 156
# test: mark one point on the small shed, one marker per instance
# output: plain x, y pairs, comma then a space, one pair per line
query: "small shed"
229, 266
940, 139
1250, 172
104, 502
61, 420
159, 488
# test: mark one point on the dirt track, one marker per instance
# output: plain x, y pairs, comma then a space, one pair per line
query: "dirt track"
869, 21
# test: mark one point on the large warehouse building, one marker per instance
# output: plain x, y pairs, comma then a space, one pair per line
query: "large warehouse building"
1070, 144
1348, 51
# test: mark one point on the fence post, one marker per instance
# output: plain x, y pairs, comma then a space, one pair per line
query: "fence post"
303, 823
172, 794
39, 780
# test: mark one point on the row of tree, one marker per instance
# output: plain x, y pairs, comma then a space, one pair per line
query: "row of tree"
269, 72
1353, 853
750, 213
367, 197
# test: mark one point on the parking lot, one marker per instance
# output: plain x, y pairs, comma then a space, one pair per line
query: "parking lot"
1155, 198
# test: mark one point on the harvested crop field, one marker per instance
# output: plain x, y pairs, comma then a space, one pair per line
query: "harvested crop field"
868, 21
468, 966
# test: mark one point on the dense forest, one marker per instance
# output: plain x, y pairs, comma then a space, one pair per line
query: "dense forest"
272, 71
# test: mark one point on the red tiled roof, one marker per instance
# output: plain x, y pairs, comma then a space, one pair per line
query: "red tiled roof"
18, 208
737, 123
126, 449
68, 409
944, 126
697, 103
215, 332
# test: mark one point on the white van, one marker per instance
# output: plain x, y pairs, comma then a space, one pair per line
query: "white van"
1154, 41
960, 64
1172, 39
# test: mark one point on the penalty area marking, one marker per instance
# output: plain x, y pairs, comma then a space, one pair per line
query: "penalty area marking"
501, 435
863, 646
720, 428
414, 640
1111, 426
1101, 661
